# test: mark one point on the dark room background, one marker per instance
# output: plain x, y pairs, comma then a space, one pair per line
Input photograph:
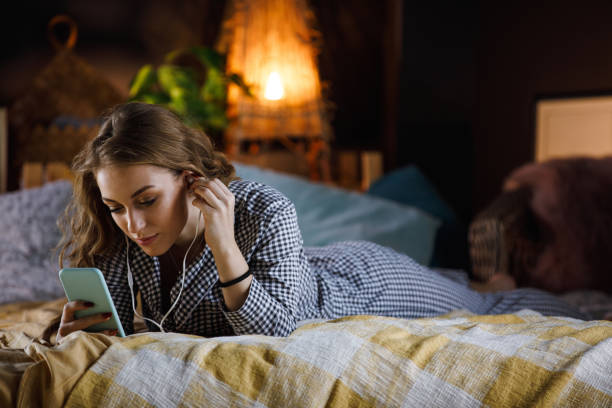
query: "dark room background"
468, 73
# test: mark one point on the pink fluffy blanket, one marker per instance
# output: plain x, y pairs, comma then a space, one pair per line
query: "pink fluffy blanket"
572, 201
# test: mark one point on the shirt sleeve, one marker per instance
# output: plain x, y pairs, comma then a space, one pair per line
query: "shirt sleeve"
115, 274
276, 265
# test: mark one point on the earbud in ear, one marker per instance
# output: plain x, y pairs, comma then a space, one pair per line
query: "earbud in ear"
190, 177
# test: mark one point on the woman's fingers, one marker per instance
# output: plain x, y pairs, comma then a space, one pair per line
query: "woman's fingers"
205, 202
82, 323
86, 321
211, 198
203, 194
221, 188
202, 205
71, 307
214, 192
70, 324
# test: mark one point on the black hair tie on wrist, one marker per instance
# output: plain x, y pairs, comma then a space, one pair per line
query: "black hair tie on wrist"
235, 281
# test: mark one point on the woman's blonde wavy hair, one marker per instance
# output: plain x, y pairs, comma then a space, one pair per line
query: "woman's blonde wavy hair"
131, 134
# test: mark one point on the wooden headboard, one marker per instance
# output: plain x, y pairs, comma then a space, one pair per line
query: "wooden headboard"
35, 174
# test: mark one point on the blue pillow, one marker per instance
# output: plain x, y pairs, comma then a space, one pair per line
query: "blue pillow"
328, 214
410, 187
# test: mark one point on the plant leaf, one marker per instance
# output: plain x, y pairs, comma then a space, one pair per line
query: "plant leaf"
216, 117
237, 79
214, 88
171, 56
178, 88
171, 77
209, 57
155, 98
144, 79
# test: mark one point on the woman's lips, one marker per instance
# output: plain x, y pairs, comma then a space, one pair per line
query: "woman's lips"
146, 241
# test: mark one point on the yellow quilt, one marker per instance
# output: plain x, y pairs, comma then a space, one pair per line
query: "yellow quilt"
457, 360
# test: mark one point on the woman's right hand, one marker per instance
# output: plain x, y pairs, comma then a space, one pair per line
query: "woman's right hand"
70, 324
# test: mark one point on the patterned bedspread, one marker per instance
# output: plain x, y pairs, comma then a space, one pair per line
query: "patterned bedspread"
456, 360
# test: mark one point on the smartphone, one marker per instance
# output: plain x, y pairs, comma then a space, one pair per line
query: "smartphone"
88, 284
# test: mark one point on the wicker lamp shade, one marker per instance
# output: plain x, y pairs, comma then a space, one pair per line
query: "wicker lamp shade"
272, 44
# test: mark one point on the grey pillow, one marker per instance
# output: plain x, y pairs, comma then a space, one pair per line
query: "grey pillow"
28, 235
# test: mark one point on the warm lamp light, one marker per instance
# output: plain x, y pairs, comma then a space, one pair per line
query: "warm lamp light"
274, 87
272, 45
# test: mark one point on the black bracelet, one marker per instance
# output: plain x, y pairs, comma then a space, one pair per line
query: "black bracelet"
235, 281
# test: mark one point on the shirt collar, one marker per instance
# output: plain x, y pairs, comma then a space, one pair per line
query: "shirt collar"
200, 277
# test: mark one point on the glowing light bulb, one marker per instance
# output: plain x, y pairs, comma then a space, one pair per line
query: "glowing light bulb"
274, 87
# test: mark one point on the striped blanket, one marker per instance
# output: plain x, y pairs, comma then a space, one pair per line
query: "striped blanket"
457, 360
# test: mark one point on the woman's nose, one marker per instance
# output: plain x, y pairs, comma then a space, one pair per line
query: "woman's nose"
135, 222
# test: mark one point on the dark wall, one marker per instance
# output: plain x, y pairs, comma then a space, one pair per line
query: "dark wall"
351, 68
469, 75
116, 37
527, 49
437, 95
436, 87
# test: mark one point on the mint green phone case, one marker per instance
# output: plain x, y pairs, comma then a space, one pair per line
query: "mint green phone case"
88, 284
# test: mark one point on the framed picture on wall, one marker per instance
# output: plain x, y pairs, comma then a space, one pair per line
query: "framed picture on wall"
573, 126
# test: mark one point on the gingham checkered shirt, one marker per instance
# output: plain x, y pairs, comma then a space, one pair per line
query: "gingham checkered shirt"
292, 283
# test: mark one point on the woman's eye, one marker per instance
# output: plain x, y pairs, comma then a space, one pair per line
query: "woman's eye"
147, 202
144, 203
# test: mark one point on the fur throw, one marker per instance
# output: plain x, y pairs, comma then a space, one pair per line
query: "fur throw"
572, 203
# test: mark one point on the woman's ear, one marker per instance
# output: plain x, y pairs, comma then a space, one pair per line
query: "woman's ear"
189, 177
187, 180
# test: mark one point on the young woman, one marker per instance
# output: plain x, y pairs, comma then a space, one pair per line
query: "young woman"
161, 213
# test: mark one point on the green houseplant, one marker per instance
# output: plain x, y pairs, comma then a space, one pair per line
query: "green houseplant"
191, 82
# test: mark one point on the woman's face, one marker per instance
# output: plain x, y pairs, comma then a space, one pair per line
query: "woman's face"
150, 204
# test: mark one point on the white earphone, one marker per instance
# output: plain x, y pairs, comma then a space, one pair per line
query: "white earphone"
131, 279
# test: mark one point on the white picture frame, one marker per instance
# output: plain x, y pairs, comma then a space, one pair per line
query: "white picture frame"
573, 126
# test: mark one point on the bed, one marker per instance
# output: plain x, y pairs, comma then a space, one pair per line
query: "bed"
459, 359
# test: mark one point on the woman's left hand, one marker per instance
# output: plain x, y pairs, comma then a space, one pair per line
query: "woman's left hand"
216, 202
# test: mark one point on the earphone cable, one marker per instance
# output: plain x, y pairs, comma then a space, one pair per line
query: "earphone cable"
161, 323
131, 279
